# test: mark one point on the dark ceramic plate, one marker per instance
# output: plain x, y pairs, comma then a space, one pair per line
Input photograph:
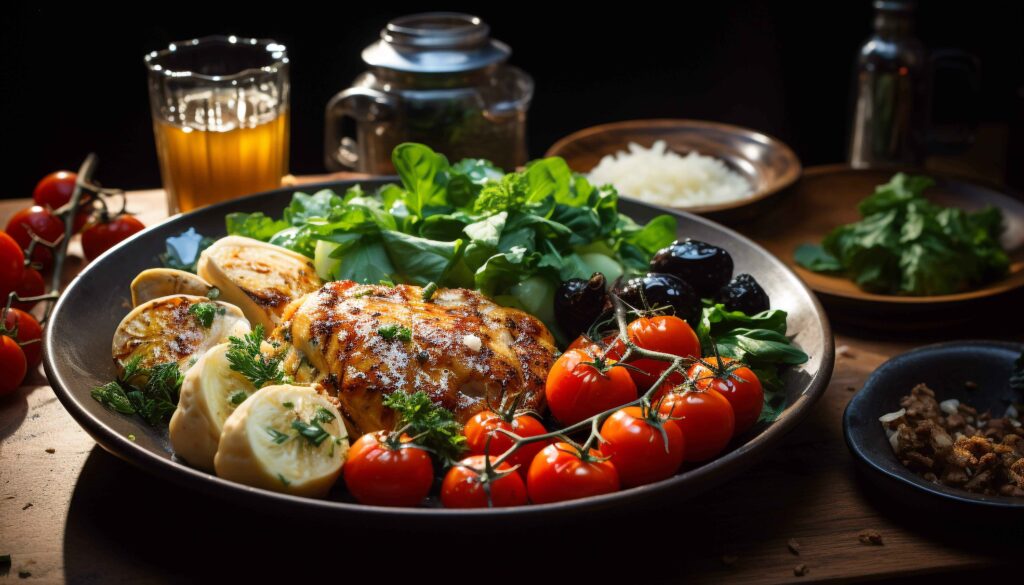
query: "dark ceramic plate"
78, 358
945, 368
766, 163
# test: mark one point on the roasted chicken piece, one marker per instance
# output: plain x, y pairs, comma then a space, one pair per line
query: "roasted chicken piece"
361, 342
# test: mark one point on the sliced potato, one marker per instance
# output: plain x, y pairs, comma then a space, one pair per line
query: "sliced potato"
167, 330
161, 282
261, 278
210, 392
261, 446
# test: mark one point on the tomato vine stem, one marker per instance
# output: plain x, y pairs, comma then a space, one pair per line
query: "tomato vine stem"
677, 364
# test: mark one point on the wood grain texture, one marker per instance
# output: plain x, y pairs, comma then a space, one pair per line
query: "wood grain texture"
95, 519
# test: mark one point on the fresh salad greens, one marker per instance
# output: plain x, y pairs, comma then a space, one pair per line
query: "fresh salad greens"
512, 236
757, 340
907, 245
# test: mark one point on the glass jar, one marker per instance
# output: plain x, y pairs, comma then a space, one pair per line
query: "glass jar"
435, 78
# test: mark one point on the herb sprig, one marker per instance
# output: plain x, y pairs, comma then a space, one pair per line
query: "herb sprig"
431, 425
151, 393
245, 357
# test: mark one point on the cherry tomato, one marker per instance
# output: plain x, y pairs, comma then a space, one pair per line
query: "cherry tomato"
576, 389
706, 419
12, 365
31, 285
559, 473
585, 343
667, 334
29, 334
740, 387
100, 236
462, 488
637, 448
12, 266
55, 189
43, 224
381, 473
484, 425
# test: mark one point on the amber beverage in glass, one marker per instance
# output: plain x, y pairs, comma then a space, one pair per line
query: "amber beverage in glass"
220, 118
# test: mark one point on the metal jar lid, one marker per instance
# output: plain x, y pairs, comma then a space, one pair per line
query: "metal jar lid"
436, 42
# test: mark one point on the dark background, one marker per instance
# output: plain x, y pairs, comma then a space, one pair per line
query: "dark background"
74, 82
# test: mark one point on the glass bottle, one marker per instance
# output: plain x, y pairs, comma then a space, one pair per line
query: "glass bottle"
890, 91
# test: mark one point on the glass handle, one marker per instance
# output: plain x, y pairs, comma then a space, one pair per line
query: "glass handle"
361, 104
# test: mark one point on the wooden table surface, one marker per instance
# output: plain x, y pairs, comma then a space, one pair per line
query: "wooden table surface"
71, 512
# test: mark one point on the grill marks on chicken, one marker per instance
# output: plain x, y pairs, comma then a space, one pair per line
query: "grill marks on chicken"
361, 342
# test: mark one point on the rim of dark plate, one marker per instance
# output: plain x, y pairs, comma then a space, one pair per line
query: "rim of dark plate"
209, 483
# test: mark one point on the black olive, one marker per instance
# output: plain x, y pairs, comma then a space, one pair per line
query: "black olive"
744, 294
578, 303
659, 290
705, 267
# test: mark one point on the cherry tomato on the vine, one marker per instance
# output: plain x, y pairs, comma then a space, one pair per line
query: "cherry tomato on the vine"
666, 334
54, 191
381, 473
12, 266
585, 343
740, 387
706, 419
638, 448
100, 236
577, 389
559, 472
462, 487
12, 364
31, 285
28, 335
43, 224
484, 425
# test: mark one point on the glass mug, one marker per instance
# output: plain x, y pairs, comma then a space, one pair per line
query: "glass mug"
220, 118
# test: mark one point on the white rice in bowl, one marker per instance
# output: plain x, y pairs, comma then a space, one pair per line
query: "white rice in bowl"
662, 177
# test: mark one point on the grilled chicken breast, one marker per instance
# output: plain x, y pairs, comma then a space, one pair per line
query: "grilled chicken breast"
259, 278
361, 342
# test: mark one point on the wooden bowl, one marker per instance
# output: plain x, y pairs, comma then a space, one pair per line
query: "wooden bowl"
827, 197
766, 163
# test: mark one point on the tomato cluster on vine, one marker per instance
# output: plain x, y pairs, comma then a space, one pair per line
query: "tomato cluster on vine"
32, 241
651, 402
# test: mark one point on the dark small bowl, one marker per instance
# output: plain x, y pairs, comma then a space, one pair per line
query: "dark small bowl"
945, 368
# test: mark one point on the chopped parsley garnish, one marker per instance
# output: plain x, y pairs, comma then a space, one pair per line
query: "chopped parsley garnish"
434, 426
312, 432
429, 290
386, 282
390, 332
284, 480
237, 397
151, 393
245, 358
213, 294
323, 415
288, 404
204, 313
277, 436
